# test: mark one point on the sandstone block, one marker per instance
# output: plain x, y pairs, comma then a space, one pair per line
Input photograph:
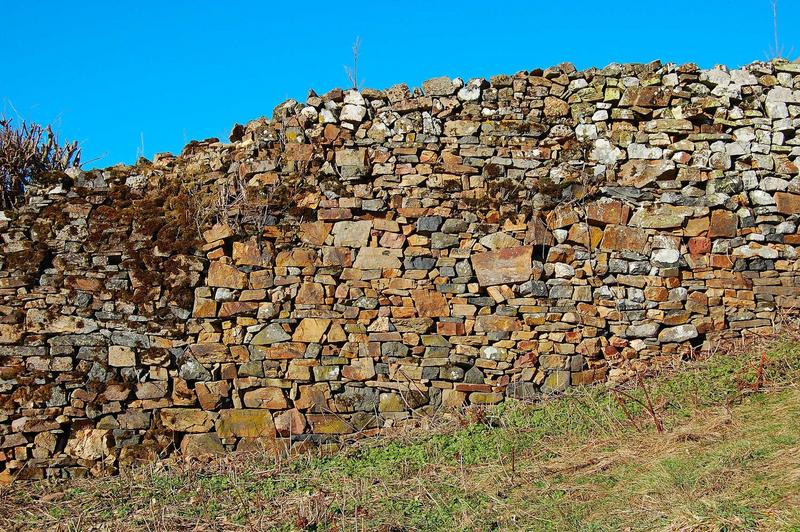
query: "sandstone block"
224, 276
201, 445
121, 356
723, 224
89, 444
187, 419
378, 258
618, 238
245, 423
311, 330
351, 234
505, 266
606, 211
787, 203
271, 398
430, 303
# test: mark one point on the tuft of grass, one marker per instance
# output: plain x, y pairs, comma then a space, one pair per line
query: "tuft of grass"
728, 459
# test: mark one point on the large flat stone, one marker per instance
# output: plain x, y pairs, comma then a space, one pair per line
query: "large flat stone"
271, 334
378, 259
622, 238
311, 330
430, 303
42, 321
351, 234
245, 423
10, 334
504, 266
787, 203
187, 419
224, 276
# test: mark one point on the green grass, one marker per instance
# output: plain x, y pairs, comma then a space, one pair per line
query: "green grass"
728, 459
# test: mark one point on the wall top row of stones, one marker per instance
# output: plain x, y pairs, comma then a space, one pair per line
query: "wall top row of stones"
368, 257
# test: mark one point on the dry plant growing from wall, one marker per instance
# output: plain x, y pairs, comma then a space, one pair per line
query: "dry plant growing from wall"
30, 153
352, 72
777, 49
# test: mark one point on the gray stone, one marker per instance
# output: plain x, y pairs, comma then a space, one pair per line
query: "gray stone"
394, 349
190, 369
454, 226
441, 86
271, 334
665, 258
681, 333
357, 399
645, 330
443, 240
522, 391
429, 224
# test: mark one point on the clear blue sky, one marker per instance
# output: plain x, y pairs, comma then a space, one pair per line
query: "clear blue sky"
108, 73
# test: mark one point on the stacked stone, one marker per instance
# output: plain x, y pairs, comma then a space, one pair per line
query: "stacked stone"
414, 251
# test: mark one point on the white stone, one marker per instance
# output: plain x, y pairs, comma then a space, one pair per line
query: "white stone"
681, 333
753, 250
586, 132
641, 151
715, 76
749, 180
678, 294
646, 330
776, 110
759, 197
562, 270
353, 113
471, 91
326, 116
577, 84
309, 112
354, 97
670, 80
741, 76
783, 94
734, 149
665, 258
136, 181
771, 184
560, 235
605, 153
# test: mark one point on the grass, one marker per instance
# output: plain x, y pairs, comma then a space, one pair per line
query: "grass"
728, 459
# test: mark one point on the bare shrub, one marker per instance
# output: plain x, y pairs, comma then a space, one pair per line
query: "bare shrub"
777, 50
29, 154
352, 72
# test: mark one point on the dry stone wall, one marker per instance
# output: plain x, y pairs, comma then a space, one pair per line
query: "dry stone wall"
367, 257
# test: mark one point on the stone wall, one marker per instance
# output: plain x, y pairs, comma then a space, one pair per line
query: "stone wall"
368, 257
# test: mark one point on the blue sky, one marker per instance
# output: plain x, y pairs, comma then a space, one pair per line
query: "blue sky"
113, 72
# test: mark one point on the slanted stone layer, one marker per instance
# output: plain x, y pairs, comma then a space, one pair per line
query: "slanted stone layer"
390, 253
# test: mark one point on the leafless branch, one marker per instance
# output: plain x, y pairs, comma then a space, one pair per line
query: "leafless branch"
352, 72
27, 154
